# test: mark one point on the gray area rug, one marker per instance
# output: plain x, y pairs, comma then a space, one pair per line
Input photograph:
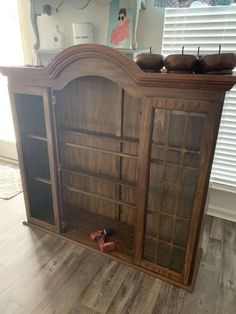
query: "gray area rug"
10, 180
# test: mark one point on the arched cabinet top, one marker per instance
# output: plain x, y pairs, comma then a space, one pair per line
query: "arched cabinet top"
99, 60
89, 52
93, 60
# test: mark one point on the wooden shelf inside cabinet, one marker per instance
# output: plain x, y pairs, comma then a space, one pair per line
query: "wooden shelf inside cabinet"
110, 137
98, 196
112, 180
99, 150
43, 180
80, 223
38, 138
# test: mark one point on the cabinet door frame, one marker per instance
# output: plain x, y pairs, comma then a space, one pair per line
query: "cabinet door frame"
213, 114
211, 129
46, 97
143, 176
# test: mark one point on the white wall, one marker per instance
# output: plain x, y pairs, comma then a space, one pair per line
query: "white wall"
8, 150
26, 29
149, 29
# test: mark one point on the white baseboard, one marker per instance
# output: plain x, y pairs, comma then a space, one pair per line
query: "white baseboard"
13, 161
222, 213
8, 150
221, 204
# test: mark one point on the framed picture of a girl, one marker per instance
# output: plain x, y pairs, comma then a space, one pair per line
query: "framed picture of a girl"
120, 25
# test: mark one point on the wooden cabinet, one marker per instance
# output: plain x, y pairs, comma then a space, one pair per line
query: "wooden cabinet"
103, 144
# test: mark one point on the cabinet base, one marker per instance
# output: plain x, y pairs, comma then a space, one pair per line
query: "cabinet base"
125, 260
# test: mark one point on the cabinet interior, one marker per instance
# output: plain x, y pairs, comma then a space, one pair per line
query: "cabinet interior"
31, 121
98, 133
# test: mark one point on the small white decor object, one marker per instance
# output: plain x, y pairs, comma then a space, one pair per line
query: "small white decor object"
58, 39
83, 33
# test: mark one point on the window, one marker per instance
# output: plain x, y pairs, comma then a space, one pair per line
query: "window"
208, 27
11, 53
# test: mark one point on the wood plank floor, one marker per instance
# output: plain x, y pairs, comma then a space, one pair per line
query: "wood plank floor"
43, 274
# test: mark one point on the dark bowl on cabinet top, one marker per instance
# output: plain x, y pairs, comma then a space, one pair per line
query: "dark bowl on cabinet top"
218, 62
181, 63
149, 62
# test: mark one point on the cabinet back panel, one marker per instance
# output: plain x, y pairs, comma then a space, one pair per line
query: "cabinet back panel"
30, 114
80, 105
99, 129
40, 200
35, 154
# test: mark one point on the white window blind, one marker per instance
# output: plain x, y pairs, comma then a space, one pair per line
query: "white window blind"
208, 27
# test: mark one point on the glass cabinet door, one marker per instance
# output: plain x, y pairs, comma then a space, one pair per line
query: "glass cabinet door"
174, 169
37, 156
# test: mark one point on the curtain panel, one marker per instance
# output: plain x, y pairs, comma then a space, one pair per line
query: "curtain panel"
191, 3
